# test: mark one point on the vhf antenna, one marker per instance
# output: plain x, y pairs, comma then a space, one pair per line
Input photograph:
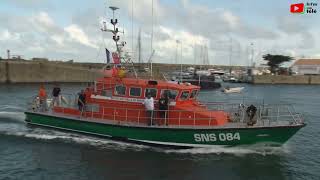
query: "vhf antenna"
116, 38
114, 31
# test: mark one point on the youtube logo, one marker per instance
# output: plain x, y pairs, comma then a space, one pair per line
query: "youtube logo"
297, 8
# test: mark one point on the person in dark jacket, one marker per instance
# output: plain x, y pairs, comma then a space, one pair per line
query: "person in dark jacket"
56, 95
163, 108
81, 101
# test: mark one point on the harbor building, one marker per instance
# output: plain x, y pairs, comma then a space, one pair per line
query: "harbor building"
306, 67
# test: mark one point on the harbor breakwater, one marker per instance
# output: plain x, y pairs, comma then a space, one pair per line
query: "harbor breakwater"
286, 79
56, 71
35, 72
28, 71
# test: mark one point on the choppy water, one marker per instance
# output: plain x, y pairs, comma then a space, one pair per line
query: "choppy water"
28, 152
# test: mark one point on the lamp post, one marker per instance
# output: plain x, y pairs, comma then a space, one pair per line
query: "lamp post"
176, 58
230, 56
252, 53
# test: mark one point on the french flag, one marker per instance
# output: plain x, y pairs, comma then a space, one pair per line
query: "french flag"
116, 58
112, 57
108, 56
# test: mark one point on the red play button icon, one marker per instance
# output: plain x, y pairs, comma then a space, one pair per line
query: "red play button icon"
297, 8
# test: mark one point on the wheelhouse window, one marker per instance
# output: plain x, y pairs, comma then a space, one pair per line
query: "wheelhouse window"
120, 90
106, 92
193, 94
172, 94
151, 91
135, 91
184, 95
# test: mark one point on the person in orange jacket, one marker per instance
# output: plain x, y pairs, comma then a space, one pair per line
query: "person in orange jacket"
43, 98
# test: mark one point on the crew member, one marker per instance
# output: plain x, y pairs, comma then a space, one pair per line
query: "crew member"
56, 95
42, 98
81, 101
149, 105
163, 108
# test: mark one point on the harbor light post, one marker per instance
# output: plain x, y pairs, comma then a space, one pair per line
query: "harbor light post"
252, 53
179, 42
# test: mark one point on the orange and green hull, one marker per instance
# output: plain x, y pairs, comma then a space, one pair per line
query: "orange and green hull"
169, 136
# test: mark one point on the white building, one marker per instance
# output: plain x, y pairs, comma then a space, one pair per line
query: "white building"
306, 66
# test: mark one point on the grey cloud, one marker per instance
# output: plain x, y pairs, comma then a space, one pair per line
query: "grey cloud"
298, 26
307, 41
291, 24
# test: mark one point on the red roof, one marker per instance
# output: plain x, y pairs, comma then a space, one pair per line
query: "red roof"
307, 62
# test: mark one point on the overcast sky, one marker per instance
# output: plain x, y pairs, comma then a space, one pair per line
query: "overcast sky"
232, 30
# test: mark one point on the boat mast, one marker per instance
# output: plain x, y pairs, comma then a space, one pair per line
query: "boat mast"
252, 53
181, 62
132, 28
139, 47
152, 52
176, 57
230, 56
124, 59
114, 30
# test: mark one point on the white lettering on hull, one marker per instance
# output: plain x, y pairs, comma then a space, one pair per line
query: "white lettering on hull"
212, 137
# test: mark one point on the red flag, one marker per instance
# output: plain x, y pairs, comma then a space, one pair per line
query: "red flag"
116, 58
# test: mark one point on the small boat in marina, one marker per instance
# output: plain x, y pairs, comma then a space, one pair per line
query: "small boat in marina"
233, 90
114, 109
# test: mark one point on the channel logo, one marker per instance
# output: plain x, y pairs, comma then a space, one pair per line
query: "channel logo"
297, 8
301, 8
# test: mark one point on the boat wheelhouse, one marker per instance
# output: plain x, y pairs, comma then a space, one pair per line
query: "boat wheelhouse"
121, 100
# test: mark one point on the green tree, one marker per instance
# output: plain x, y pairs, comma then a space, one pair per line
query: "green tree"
275, 61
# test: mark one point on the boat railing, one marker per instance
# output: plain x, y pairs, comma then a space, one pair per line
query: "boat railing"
266, 114
280, 113
64, 100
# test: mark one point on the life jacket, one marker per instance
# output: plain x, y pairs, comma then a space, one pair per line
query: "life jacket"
42, 93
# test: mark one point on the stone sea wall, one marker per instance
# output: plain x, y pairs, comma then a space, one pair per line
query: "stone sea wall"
33, 72
50, 71
284, 79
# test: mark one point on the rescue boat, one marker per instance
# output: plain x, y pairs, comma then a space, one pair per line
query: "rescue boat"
114, 109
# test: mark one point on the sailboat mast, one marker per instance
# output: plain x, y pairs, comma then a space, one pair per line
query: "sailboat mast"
139, 47
151, 39
181, 62
132, 28
230, 54
176, 57
252, 53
